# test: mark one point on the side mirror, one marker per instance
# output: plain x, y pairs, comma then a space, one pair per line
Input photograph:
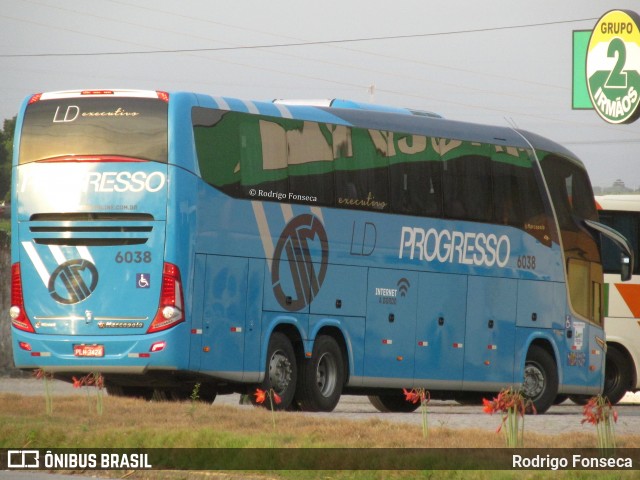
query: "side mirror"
625, 268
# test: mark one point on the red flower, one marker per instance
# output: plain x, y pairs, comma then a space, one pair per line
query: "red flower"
77, 382
598, 410
411, 395
261, 395
488, 406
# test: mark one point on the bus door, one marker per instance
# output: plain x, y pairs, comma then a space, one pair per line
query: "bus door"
390, 329
584, 358
440, 330
490, 333
220, 310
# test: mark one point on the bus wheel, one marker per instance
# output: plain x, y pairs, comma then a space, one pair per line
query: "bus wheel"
540, 383
321, 377
393, 403
280, 374
617, 375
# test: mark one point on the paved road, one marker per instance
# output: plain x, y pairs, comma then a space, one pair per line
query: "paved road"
562, 418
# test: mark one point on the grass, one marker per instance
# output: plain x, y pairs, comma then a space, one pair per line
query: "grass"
5, 225
131, 423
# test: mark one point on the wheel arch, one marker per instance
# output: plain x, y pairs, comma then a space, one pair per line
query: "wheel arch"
550, 347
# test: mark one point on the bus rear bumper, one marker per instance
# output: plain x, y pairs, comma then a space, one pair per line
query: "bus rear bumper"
104, 354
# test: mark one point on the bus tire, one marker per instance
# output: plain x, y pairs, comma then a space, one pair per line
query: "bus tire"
280, 372
617, 375
321, 377
540, 383
393, 403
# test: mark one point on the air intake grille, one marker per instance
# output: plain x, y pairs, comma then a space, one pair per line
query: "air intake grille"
91, 228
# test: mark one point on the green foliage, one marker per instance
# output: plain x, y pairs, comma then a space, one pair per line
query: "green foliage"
6, 152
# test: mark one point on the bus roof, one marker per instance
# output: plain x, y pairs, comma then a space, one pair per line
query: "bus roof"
356, 114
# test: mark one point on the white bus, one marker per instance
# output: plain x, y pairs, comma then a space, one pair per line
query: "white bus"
621, 299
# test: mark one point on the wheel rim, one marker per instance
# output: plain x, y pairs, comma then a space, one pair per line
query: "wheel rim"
326, 374
534, 381
280, 370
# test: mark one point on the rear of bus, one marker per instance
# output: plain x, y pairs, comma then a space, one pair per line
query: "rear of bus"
91, 290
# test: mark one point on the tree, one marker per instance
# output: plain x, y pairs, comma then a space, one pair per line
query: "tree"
6, 153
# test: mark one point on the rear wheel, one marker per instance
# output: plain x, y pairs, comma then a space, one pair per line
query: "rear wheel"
280, 373
321, 377
617, 375
144, 393
540, 383
393, 403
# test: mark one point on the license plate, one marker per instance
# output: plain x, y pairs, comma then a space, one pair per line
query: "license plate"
88, 350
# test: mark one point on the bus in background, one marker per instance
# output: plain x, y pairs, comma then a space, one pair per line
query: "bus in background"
621, 299
166, 240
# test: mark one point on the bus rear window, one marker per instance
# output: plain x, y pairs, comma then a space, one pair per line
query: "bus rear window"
116, 127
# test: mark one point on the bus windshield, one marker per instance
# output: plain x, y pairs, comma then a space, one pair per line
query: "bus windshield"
93, 127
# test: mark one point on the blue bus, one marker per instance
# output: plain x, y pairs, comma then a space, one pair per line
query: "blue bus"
166, 240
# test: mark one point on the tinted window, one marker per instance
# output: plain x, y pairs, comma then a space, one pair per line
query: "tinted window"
517, 199
415, 177
467, 181
362, 179
113, 126
627, 224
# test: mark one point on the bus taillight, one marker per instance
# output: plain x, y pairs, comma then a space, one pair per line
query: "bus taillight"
164, 96
170, 310
35, 98
18, 316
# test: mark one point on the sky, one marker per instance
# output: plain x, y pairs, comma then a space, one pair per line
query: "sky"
499, 62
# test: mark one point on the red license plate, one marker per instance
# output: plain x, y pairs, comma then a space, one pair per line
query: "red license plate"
88, 350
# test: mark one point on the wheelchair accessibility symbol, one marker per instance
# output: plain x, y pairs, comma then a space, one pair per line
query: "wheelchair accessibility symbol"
143, 280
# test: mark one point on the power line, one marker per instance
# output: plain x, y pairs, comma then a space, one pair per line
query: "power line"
294, 44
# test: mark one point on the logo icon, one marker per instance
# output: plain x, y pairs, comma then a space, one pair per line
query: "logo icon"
403, 286
143, 280
23, 459
304, 247
73, 281
613, 66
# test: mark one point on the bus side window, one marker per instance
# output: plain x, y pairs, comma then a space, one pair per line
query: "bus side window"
362, 180
416, 188
467, 186
517, 199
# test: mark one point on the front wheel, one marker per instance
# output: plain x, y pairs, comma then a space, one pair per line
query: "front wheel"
540, 383
321, 377
280, 372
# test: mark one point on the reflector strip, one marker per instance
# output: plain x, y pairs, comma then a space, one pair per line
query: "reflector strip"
492, 347
40, 354
458, 345
387, 341
236, 329
196, 331
423, 344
